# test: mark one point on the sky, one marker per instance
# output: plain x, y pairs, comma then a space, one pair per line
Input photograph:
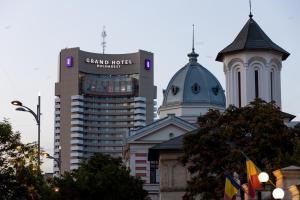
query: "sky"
33, 32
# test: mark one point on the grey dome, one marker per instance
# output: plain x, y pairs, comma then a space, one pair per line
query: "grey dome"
194, 84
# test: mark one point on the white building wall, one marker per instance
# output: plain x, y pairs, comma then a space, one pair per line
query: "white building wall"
246, 63
56, 153
189, 113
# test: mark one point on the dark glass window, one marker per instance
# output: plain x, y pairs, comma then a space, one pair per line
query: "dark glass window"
256, 84
271, 85
239, 89
196, 88
154, 172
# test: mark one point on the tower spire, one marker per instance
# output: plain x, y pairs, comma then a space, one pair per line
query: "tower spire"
103, 43
193, 49
250, 14
193, 55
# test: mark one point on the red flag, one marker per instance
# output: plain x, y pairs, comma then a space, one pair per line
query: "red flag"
252, 176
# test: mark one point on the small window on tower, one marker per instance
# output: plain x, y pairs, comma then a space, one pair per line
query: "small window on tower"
239, 89
271, 85
256, 84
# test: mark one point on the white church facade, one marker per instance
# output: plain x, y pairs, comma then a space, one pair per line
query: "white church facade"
252, 65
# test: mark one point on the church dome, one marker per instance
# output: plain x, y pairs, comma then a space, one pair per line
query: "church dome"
194, 84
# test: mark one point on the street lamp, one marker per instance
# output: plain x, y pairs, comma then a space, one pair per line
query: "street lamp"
37, 117
263, 177
277, 193
47, 155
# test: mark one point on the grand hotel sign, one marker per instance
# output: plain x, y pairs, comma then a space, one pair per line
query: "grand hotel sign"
111, 64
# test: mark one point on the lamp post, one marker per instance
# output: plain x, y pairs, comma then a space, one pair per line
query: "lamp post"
47, 155
277, 193
263, 177
37, 117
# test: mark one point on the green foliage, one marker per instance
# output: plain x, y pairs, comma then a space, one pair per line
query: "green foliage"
20, 177
100, 177
257, 130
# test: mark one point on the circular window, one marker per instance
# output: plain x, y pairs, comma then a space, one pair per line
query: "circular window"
196, 88
174, 89
171, 135
215, 90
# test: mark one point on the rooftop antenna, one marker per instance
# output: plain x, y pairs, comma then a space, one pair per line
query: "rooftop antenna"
250, 14
103, 43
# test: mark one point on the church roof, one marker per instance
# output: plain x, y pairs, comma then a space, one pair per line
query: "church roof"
194, 84
160, 123
251, 37
175, 144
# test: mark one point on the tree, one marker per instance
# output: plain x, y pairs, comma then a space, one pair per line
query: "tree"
257, 130
20, 177
103, 177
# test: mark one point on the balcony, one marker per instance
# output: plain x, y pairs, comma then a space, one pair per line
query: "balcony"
77, 110
76, 97
76, 148
77, 103
141, 111
108, 113
139, 117
76, 116
76, 141
138, 123
116, 125
140, 99
76, 122
57, 100
75, 161
109, 119
76, 154
76, 129
139, 105
76, 135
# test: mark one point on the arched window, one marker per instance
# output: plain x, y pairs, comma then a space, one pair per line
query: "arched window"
239, 89
256, 82
272, 84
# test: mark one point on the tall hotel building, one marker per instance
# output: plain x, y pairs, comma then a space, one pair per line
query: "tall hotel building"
99, 99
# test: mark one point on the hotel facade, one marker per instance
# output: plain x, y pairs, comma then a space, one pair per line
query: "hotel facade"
100, 99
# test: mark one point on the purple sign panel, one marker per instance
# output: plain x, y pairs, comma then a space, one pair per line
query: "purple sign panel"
69, 61
147, 64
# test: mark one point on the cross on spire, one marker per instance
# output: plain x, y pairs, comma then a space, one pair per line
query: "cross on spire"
250, 14
193, 55
193, 48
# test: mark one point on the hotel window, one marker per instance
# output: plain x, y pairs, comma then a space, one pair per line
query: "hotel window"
154, 172
256, 84
239, 89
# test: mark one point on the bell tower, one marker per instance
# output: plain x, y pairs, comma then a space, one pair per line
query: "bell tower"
252, 66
